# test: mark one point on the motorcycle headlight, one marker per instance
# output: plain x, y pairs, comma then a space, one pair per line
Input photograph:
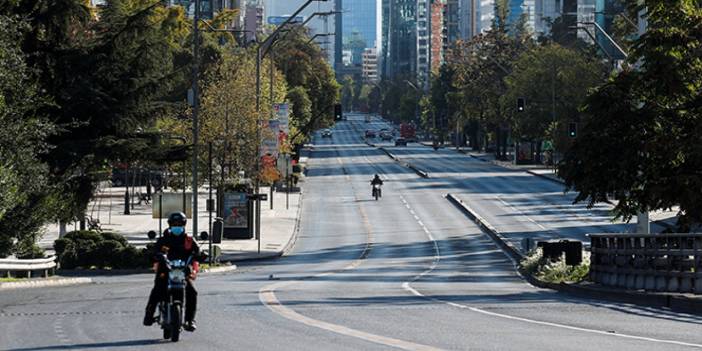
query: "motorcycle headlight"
176, 275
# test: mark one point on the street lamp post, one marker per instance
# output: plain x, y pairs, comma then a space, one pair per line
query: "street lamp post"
261, 52
416, 104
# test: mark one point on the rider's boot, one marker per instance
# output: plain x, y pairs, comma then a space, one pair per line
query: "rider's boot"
190, 326
149, 315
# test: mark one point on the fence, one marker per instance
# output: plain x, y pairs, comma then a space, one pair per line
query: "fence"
45, 265
664, 262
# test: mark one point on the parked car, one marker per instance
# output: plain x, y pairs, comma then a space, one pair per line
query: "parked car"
385, 136
370, 133
326, 133
400, 142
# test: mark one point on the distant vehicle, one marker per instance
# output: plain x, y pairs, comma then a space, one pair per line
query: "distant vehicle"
385, 136
400, 142
408, 131
370, 133
326, 133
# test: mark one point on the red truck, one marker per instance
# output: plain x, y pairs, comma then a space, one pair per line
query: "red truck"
408, 131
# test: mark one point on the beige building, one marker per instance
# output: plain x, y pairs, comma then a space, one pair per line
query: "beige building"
370, 65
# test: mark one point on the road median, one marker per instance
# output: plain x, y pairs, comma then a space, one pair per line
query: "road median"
685, 303
405, 164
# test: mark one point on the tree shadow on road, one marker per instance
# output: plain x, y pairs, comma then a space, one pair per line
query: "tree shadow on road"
98, 345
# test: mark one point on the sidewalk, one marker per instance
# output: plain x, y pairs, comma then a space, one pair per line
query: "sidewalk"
278, 226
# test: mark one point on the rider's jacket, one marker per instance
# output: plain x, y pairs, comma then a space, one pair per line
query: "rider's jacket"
376, 181
177, 247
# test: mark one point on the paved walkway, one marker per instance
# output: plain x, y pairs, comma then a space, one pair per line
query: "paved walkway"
277, 225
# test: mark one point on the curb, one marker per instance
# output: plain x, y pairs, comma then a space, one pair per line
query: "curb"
50, 282
296, 229
222, 269
678, 303
288, 246
416, 170
512, 252
555, 180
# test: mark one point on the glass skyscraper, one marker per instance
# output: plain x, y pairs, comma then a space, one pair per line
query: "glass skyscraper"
360, 26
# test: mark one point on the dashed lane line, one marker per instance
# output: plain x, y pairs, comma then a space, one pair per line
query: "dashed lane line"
437, 258
268, 298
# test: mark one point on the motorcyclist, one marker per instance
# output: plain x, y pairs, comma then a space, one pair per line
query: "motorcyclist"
176, 244
377, 181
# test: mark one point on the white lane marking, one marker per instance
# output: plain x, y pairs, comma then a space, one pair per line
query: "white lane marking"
58, 330
523, 214
268, 298
437, 257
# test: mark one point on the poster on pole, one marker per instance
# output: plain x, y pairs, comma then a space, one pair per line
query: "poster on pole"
236, 210
167, 203
269, 141
282, 114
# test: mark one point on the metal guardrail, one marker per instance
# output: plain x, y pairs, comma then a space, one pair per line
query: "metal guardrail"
663, 262
8, 265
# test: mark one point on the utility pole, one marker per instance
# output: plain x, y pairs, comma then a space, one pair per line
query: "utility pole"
196, 108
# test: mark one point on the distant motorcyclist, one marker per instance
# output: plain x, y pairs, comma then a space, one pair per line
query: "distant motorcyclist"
176, 245
376, 181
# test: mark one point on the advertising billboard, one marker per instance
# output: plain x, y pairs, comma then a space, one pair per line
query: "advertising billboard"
167, 203
236, 210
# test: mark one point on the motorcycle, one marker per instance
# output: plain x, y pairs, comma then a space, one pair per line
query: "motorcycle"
376, 191
171, 310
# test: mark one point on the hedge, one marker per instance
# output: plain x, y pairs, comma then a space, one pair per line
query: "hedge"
88, 249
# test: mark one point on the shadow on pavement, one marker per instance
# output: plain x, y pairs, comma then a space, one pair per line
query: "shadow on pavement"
99, 345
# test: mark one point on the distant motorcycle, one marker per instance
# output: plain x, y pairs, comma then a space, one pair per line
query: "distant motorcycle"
171, 311
377, 192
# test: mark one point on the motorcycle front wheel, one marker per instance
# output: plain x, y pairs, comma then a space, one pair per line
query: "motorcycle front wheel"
166, 333
176, 322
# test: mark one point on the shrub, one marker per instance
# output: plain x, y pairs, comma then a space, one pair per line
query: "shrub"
116, 237
554, 272
88, 249
29, 251
107, 253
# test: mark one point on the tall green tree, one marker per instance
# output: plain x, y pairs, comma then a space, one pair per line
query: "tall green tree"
640, 143
304, 64
348, 92
24, 177
554, 81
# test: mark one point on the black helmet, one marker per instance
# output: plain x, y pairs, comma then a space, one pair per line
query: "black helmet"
177, 219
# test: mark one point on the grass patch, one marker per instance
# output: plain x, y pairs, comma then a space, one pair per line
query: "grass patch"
536, 265
9, 280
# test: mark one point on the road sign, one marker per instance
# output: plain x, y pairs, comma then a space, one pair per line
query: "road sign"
262, 197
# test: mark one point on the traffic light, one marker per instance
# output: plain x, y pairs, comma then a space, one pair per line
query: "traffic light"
573, 129
521, 104
337, 112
